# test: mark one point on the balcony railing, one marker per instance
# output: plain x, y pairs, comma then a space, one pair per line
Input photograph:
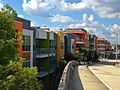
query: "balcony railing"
101, 44
80, 41
43, 52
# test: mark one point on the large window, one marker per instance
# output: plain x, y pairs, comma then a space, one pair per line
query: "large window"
26, 43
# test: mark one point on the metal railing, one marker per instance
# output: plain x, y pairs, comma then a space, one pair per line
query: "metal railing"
44, 51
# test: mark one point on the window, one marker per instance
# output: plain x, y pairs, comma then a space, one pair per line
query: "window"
26, 43
26, 64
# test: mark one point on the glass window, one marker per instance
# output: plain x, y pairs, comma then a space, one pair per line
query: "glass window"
26, 64
26, 43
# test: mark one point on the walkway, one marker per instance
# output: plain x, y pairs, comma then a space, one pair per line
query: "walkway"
89, 80
108, 73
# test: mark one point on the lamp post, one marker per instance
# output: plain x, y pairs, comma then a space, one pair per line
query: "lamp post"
116, 47
48, 40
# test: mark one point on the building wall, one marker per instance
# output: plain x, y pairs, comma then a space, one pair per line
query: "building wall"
80, 38
28, 55
60, 46
19, 28
101, 44
67, 42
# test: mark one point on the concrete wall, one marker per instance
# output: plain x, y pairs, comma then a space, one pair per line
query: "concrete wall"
64, 83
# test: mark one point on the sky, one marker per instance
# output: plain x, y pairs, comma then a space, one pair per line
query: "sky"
99, 17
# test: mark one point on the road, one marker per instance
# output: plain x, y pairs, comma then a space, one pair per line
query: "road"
83, 79
108, 73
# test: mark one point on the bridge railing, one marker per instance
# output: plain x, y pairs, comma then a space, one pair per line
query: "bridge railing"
64, 83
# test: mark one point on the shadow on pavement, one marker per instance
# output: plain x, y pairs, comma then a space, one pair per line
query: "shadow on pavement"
75, 81
104, 63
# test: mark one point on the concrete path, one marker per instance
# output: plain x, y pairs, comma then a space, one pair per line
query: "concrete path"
108, 73
89, 80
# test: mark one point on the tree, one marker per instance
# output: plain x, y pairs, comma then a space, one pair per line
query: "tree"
13, 76
8, 43
16, 77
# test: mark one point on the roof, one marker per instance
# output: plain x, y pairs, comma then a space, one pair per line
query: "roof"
75, 30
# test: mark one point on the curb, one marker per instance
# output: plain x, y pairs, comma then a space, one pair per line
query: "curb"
100, 79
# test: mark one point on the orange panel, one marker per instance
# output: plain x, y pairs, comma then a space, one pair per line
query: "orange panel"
74, 31
26, 55
19, 27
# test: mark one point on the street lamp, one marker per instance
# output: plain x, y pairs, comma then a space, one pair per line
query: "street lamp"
116, 45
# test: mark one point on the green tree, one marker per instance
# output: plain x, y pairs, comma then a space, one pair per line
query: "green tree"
8, 45
13, 76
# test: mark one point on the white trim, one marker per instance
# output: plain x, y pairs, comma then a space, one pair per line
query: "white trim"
30, 33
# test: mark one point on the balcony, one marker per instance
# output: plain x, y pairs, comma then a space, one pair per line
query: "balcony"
43, 71
101, 44
52, 51
43, 52
92, 42
80, 41
40, 34
101, 48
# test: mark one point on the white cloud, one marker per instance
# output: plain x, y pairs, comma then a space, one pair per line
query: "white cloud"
106, 8
1, 5
61, 19
33, 23
39, 7
85, 19
91, 18
65, 6
20, 15
100, 30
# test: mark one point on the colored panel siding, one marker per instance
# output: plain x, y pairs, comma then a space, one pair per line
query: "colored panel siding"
19, 27
60, 46
26, 55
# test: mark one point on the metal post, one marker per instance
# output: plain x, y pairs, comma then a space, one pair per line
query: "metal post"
116, 47
48, 37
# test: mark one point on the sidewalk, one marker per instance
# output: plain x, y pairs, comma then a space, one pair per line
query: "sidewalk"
108, 73
89, 80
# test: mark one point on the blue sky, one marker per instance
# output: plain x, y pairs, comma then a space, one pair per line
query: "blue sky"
100, 17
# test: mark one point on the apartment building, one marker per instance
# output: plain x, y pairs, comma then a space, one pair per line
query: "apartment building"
101, 44
108, 46
78, 38
44, 50
93, 42
25, 41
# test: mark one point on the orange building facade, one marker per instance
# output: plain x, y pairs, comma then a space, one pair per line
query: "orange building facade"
101, 44
25, 41
19, 28
79, 38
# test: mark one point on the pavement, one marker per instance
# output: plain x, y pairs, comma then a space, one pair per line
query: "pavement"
108, 73
89, 80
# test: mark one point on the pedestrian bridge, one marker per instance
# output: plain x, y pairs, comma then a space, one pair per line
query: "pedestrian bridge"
79, 77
